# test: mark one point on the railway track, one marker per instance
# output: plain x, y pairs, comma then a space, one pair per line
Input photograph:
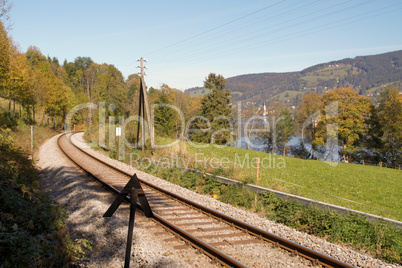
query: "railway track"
219, 236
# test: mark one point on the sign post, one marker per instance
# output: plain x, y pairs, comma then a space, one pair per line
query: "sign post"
118, 134
134, 190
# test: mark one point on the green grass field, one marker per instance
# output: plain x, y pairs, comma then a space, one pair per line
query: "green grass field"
286, 95
199, 92
380, 89
369, 189
327, 74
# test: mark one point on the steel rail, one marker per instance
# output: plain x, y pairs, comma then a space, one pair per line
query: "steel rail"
312, 255
215, 254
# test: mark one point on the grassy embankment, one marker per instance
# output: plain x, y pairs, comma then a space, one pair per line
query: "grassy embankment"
32, 227
376, 188
369, 189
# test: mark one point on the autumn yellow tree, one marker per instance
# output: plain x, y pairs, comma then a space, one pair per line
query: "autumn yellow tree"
46, 93
19, 72
4, 62
307, 117
350, 116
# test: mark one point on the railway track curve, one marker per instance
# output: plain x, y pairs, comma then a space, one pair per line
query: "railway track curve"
215, 234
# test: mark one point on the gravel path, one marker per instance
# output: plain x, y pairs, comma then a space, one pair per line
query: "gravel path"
86, 201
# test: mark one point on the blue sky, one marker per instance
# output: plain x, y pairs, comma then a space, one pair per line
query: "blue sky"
184, 41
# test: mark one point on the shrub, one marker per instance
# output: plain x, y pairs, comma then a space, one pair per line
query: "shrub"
32, 230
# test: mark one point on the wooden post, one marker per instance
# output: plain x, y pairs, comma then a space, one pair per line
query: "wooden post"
257, 181
363, 162
139, 120
112, 141
143, 119
32, 130
258, 171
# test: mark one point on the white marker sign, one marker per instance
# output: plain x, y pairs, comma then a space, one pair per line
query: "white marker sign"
118, 131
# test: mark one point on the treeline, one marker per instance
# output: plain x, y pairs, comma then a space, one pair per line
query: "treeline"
32, 81
41, 90
364, 132
340, 125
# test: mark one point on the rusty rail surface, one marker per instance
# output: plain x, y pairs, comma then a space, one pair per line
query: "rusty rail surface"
215, 254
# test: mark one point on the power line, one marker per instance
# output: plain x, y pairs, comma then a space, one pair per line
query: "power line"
215, 28
257, 34
237, 28
316, 29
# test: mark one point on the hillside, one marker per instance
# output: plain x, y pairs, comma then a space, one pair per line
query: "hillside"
368, 74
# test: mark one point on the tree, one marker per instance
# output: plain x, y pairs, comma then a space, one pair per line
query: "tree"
285, 129
5, 9
165, 117
38, 84
280, 130
81, 75
4, 61
216, 109
307, 114
45, 91
389, 113
310, 105
90, 73
19, 72
350, 116
133, 84
214, 81
109, 86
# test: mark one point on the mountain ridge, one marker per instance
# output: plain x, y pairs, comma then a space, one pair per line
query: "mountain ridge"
367, 74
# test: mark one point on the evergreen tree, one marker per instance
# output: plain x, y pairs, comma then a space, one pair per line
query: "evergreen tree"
280, 131
389, 113
214, 81
165, 117
215, 109
285, 129
372, 141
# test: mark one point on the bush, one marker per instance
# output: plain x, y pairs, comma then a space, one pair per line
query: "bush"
32, 229
8, 121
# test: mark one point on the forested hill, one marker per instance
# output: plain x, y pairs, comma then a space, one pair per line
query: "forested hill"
368, 74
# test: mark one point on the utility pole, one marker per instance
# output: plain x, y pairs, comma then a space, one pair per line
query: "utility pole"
141, 60
144, 108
